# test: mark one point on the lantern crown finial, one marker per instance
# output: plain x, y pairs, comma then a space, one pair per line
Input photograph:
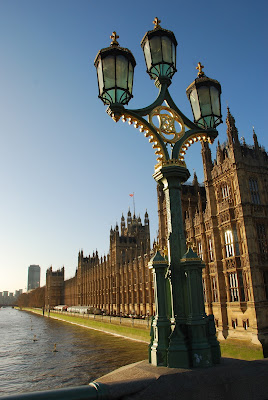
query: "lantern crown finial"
200, 70
156, 23
114, 38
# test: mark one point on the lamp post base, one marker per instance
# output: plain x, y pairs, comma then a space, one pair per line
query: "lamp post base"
177, 356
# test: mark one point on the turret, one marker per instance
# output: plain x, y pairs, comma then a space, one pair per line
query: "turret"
255, 139
195, 182
232, 132
129, 219
207, 160
146, 219
123, 225
219, 154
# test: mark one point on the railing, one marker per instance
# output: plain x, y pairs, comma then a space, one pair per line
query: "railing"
127, 321
93, 391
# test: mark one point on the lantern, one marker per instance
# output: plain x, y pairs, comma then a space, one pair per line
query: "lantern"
204, 95
159, 48
115, 69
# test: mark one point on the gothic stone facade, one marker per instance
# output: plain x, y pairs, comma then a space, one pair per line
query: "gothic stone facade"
119, 283
226, 222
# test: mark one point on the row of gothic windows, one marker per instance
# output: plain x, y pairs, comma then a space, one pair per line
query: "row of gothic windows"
231, 246
253, 187
236, 287
210, 250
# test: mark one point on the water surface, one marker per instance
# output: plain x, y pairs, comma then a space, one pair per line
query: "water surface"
83, 354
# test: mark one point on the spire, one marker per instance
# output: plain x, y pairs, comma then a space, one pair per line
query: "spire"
199, 204
232, 132
255, 139
207, 160
123, 225
219, 154
190, 214
129, 218
195, 181
146, 218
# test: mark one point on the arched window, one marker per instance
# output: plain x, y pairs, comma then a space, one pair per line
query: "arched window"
210, 250
229, 243
233, 282
200, 249
225, 191
215, 289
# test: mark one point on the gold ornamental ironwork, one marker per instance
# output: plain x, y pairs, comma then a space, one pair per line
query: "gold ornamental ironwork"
167, 124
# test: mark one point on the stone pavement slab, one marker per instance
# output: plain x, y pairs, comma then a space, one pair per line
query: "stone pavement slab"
232, 379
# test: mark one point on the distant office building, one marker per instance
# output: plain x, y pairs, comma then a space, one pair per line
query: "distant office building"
18, 293
33, 277
5, 294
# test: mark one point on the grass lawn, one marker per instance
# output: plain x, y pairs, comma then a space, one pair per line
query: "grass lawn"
127, 331
240, 349
230, 348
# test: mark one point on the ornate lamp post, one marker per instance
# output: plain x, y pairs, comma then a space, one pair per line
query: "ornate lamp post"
183, 336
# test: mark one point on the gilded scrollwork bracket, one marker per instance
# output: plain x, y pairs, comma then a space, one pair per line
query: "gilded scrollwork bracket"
169, 131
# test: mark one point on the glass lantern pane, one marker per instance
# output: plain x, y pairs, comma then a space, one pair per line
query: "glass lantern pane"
156, 51
130, 78
120, 96
164, 69
166, 49
208, 122
147, 53
109, 72
215, 99
121, 72
174, 54
100, 77
195, 104
204, 99
155, 71
110, 96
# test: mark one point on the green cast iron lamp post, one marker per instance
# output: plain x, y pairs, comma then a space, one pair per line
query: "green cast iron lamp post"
183, 335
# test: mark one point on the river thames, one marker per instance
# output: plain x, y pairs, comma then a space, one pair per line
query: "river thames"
83, 354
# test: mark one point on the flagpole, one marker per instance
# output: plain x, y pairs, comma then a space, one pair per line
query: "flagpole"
134, 202
132, 195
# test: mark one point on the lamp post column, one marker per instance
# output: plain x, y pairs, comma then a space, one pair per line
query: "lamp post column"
161, 322
171, 176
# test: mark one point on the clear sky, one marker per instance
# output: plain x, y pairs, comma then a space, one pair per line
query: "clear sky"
66, 168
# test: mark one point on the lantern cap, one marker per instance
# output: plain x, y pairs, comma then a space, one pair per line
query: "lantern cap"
114, 48
158, 31
200, 81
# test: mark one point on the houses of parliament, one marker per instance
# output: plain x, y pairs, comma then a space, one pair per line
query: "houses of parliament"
226, 223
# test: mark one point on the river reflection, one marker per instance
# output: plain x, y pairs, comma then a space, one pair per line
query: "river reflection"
83, 354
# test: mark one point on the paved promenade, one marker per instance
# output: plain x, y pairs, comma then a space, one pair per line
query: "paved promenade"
231, 380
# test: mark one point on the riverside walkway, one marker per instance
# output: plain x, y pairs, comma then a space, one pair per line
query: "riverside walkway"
231, 380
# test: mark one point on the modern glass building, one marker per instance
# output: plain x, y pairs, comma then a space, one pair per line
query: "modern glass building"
33, 277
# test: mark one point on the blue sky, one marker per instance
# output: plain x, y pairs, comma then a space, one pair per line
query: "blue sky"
66, 169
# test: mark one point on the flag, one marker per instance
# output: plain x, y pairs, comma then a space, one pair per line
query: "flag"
132, 194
